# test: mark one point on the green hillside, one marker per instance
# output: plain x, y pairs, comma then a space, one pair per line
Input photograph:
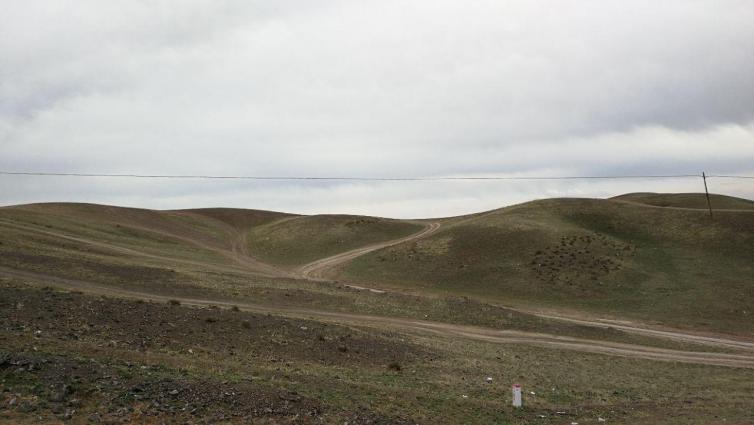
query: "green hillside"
687, 200
124, 315
675, 266
240, 219
303, 239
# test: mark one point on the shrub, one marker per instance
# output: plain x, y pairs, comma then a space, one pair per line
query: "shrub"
394, 366
174, 302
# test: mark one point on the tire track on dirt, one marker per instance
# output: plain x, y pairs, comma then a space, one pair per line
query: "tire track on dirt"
316, 270
250, 264
656, 333
410, 325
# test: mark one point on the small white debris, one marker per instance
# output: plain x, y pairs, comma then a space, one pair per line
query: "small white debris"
542, 416
303, 328
190, 351
489, 379
465, 396
600, 419
574, 423
532, 393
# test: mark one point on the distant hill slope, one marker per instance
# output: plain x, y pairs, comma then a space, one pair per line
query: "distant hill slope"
672, 265
303, 239
607, 256
687, 200
61, 236
240, 219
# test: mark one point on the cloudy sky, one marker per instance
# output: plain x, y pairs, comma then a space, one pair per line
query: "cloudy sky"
383, 88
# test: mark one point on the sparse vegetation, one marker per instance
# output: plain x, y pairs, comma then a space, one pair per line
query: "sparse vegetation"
688, 200
607, 257
301, 240
125, 360
251, 373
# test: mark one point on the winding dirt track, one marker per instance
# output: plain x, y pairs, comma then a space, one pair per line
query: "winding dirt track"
410, 325
237, 252
656, 333
317, 270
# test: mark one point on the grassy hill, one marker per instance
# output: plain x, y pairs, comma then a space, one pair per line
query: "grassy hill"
239, 219
115, 245
300, 240
627, 259
203, 337
64, 235
687, 200
674, 266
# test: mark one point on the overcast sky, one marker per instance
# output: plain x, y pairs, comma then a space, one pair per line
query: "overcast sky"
375, 89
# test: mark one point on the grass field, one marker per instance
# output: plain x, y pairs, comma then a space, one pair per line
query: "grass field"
308, 351
94, 357
688, 200
305, 239
667, 265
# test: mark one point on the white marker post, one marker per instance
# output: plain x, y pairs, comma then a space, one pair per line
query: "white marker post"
516, 395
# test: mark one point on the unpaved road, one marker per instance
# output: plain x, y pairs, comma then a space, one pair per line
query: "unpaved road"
409, 325
629, 327
237, 254
316, 270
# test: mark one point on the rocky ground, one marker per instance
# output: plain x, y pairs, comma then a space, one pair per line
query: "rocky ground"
71, 357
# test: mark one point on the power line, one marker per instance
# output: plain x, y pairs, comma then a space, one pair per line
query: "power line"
730, 177
334, 178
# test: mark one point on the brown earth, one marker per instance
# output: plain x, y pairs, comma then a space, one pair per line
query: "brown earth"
452, 330
118, 334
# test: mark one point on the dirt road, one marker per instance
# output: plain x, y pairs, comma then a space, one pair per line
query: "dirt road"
237, 253
629, 327
317, 270
409, 325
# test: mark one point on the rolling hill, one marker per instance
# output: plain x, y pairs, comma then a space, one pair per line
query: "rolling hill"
674, 266
303, 239
688, 200
111, 314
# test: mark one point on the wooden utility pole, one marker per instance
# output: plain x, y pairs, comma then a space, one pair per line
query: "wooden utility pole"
706, 192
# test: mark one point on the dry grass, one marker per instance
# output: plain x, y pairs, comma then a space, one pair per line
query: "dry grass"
302, 240
609, 257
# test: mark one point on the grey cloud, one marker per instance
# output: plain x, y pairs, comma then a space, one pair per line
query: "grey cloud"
375, 88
